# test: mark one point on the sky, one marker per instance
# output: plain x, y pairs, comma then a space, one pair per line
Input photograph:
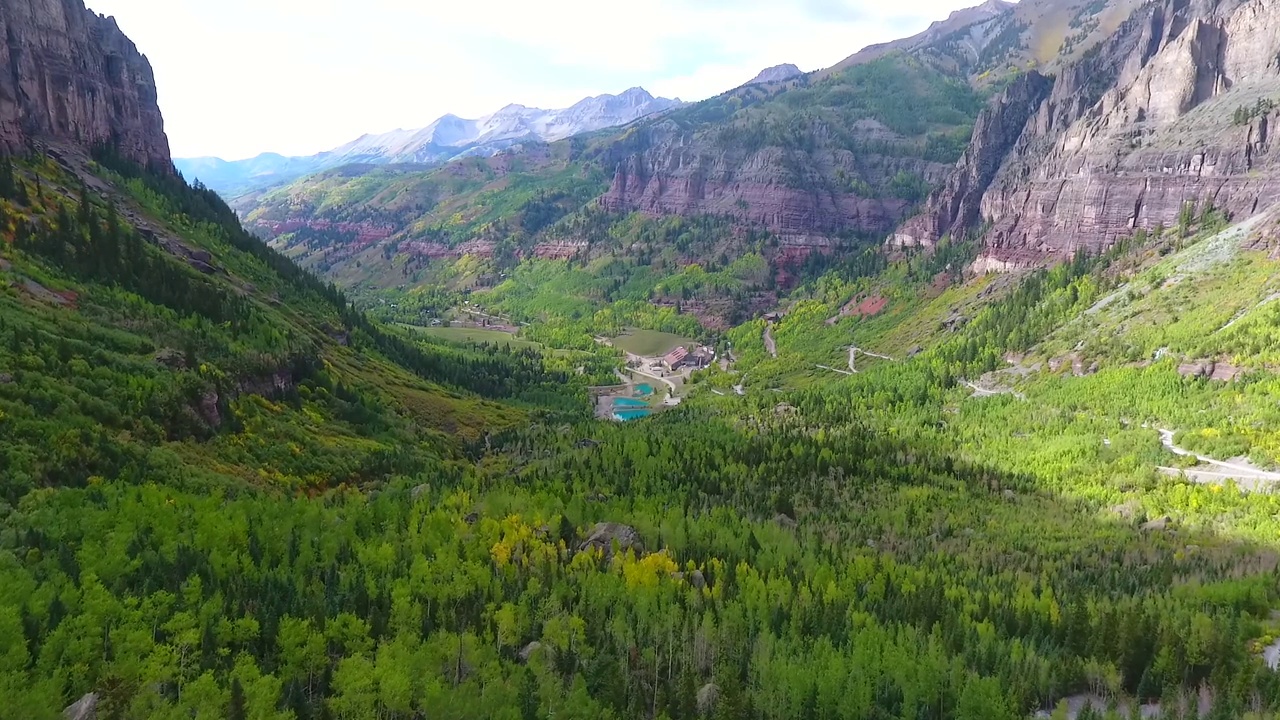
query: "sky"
241, 77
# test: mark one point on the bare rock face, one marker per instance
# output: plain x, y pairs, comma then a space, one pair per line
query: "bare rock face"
956, 207
1176, 108
86, 708
72, 75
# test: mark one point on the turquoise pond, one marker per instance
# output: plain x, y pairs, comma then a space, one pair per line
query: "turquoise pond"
644, 389
629, 403
626, 415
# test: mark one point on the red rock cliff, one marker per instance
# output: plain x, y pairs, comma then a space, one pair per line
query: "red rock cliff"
69, 74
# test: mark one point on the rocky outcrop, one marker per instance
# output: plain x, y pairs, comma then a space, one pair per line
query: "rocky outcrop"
1211, 370
86, 708
72, 75
1175, 109
955, 208
606, 537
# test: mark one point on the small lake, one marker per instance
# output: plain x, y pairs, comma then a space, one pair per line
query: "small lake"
630, 403
645, 390
627, 409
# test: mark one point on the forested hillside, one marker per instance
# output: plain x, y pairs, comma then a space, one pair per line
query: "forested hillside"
883, 546
897, 490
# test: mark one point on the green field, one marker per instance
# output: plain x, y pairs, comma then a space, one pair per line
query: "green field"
476, 336
650, 343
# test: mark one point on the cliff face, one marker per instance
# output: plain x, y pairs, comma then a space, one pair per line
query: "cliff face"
72, 75
788, 192
1176, 108
956, 207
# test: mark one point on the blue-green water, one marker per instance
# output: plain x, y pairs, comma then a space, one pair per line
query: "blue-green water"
627, 415
645, 390
629, 403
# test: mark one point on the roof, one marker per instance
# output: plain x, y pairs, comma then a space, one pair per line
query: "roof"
675, 356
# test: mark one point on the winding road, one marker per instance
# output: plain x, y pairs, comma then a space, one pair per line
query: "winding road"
769, 343
1247, 475
853, 356
835, 370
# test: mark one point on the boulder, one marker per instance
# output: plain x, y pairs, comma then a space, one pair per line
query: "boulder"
604, 537
5, 378
209, 409
1158, 525
785, 521
528, 651
697, 579
417, 493
86, 708
1199, 369
172, 359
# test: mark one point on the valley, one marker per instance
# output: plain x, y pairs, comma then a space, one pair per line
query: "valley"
940, 383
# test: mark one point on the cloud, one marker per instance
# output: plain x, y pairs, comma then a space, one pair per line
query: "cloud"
238, 77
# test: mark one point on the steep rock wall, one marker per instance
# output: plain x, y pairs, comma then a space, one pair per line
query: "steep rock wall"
69, 74
1177, 107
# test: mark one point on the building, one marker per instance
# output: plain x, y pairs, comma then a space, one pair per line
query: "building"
702, 358
676, 359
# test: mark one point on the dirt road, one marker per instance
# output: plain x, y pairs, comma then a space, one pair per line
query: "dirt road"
1245, 473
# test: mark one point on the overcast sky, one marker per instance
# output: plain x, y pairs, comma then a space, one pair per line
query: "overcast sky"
240, 77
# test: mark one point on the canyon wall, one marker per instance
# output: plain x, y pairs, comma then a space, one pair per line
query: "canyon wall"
1176, 108
72, 75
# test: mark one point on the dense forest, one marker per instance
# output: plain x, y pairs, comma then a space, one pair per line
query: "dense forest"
228, 493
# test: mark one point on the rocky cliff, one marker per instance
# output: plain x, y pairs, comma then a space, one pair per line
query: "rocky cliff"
955, 208
823, 160
70, 74
1175, 109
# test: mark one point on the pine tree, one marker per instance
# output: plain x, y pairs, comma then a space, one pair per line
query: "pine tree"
237, 710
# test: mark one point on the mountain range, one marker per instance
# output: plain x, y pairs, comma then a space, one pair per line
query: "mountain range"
445, 139
1062, 125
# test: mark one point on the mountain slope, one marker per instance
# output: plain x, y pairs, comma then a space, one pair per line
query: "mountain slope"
1170, 115
777, 73
443, 140
140, 309
814, 164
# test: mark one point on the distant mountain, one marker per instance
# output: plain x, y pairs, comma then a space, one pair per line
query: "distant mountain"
777, 73
956, 29
443, 140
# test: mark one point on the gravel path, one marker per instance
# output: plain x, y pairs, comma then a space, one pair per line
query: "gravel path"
1248, 475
